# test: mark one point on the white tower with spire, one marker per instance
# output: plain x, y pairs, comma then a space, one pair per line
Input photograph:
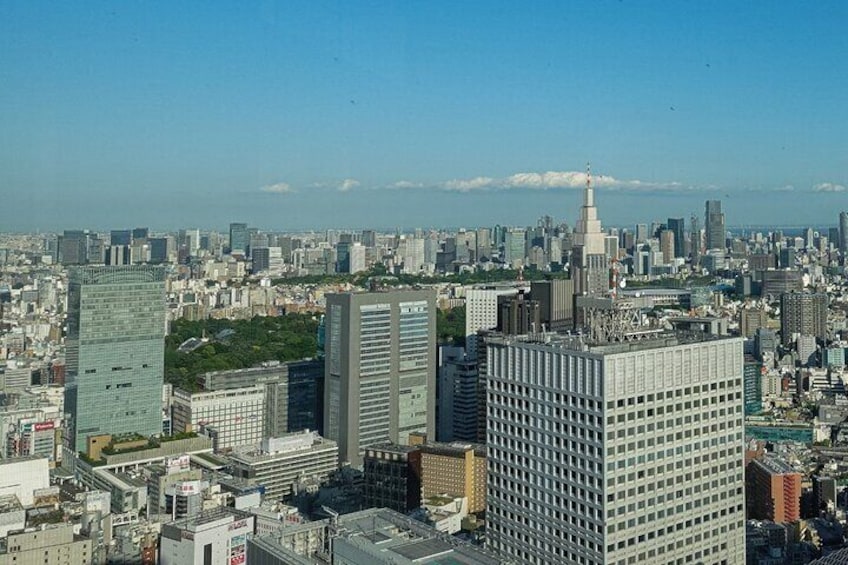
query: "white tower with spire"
589, 263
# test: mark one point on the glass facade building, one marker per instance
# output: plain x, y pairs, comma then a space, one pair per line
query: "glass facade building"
115, 352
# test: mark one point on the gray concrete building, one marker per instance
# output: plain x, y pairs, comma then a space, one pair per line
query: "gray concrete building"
380, 369
620, 453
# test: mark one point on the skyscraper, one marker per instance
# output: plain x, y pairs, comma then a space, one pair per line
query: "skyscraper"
589, 259
115, 352
380, 371
843, 234
625, 452
803, 313
714, 224
676, 226
239, 239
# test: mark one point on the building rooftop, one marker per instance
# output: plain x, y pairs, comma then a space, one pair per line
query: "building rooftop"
775, 466
386, 537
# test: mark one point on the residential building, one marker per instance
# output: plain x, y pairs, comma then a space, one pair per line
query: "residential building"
750, 320
616, 452
115, 352
772, 490
380, 369
803, 313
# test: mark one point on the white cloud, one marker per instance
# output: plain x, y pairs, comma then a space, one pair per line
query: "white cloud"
405, 184
278, 188
348, 184
555, 180
828, 187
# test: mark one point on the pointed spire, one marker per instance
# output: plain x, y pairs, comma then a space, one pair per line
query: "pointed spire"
589, 196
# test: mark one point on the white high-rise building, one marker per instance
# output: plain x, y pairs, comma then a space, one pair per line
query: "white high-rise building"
618, 453
481, 312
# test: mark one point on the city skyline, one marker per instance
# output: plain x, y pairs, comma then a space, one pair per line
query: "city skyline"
304, 115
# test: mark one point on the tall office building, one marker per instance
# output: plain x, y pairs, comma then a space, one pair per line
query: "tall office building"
619, 453
120, 237
589, 259
714, 224
676, 226
239, 239
803, 313
115, 352
456, 415
380, 371
843, 234
481, 312
73, 247
515, 247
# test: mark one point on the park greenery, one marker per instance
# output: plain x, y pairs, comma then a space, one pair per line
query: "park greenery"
450, 326
247, 344
379, 274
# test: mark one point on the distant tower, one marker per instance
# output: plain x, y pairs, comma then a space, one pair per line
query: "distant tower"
676, 225
714, 223
591, 274
695, 238
843, 234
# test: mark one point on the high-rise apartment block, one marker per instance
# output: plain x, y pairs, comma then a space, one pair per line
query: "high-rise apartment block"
619, 453
773, 491
115, 352
803, 313
380, 369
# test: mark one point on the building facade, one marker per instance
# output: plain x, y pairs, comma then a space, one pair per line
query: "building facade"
803, 313
115, 352
281, 462
629, 452
393, 477
773, 491
714, 225
380, 369
231, 417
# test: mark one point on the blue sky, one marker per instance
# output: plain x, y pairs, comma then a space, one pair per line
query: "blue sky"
292, 115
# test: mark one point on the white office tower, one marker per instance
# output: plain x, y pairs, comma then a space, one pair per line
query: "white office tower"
481, 312
590, 270
619, 453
